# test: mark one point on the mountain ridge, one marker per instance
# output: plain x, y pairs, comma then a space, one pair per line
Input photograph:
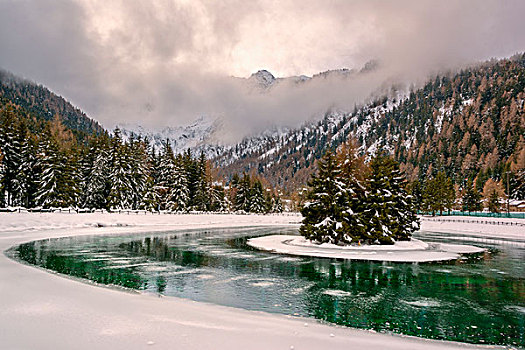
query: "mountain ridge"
484, 102
43, 104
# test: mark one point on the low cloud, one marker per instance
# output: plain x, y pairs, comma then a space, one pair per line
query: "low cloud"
166, 62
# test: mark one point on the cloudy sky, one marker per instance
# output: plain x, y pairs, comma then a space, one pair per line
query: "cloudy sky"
167, 62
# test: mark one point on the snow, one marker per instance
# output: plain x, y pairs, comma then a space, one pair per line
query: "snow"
494, 228
443, 111
262, 79
414, 244
196, 135
41, 310
467, 102
412, 251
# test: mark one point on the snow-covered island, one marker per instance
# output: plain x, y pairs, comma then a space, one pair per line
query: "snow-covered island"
402, 251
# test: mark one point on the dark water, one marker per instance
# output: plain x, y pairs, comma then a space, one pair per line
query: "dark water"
477, 300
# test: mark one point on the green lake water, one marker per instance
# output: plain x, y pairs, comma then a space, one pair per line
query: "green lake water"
480, 299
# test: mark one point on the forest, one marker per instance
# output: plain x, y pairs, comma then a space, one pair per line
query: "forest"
43, 164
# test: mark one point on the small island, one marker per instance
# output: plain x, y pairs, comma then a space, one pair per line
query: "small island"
360, 210
413, 251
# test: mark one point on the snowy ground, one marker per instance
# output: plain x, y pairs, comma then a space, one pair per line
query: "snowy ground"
412, 251
41, 310
495, 228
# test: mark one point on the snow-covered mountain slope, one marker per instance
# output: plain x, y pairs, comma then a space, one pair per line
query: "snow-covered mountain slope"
285, 157
213, 135
468, 123
198, 135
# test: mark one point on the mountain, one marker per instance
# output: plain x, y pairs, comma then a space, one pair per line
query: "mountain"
470, 124
42, 104
264, 80
199, 136
207, 134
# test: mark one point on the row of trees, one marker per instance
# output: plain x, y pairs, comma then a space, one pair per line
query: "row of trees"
53, 170
248, 195
351, 201
438, 194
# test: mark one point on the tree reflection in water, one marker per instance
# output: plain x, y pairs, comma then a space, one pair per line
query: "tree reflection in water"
480, 300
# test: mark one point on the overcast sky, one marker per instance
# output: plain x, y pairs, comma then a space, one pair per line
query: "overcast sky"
167, 62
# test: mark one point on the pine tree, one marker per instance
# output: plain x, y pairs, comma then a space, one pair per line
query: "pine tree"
417, 191
471, 198
219, 201
353, 173
232, 191
257, 202
269, 201
179, 192
28, 167
450, 195
519, 187
12, 150
494, 204
53, 185
192, 176
242, 196
97, 181
277, 204
167, 177
201, 198
389, 214
151, 199
437, 193
139, 170
2, 171
121, 181
323, 213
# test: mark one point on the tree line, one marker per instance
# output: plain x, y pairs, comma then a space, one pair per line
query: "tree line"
439, 194
43, 165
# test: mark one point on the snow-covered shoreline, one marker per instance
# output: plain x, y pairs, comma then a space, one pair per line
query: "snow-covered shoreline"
41, 310
408, 251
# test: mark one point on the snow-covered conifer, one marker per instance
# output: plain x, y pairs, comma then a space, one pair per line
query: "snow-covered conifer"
323, 213
218, 199
242, 195
201, 200
179, 192
353, 173
139, 170
11, 150
257, 202
121, 181
29, 171
52, 190
389, 214
97, 181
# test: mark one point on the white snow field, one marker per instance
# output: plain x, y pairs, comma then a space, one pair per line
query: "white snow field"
411, 251
493, 228
42, 310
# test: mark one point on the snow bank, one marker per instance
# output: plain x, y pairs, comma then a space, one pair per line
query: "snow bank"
20, 222
40, 310
504, 228
412, 251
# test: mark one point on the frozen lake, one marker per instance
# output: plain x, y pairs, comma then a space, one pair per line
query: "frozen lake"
478, 300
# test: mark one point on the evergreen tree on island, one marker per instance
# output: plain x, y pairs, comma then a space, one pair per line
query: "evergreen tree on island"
348, 204
323, 213
389, 215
